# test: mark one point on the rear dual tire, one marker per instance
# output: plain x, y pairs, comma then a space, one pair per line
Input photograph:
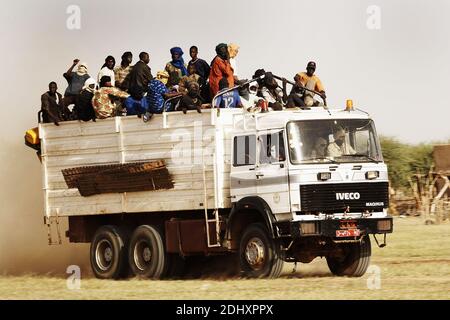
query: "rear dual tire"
108, 253
146, 254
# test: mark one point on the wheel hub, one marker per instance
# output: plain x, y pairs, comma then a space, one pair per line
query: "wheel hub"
147, 254
255, 253
142, 255
104, 254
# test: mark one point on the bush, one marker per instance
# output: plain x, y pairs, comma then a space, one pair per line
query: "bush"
404, 160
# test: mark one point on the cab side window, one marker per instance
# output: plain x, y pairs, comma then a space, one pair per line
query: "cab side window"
272, 148
244, 150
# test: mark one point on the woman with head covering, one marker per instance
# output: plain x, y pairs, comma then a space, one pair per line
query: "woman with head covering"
176, 68
83, 105
75, 80
108, 70
233, 50
220, 68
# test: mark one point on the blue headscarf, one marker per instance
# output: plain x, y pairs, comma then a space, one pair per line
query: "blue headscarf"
179, 63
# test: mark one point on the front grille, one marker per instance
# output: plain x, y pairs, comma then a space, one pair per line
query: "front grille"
337, 197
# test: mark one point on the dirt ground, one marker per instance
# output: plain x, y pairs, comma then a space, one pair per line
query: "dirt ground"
414, 265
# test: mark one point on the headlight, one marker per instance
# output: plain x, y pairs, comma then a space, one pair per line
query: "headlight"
370, 175
324, 176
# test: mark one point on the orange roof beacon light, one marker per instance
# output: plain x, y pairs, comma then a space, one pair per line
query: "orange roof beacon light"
349, 105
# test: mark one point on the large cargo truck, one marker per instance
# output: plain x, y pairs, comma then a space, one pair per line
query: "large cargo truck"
265, 188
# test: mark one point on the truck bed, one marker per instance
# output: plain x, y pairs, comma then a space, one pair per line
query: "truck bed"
195, 148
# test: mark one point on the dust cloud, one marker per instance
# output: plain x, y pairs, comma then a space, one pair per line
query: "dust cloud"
24, 245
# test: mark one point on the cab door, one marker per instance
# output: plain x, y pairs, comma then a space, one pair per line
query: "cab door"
272, 183
243, 167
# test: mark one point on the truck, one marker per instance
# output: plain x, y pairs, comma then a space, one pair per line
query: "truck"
256, 186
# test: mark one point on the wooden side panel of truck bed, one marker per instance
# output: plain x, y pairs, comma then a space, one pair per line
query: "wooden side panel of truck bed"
192, 145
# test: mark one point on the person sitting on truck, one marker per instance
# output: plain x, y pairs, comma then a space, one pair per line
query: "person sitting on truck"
320, 148
191, 100
52, 105
295, 98
176, 68
139, 77
249, 96
157, 92
102, 102
270, 91
75, 81
339, 147
107, 69
83, 109
309, 80
233, 50
202, 67
220, 68
122, 71
191, 77
230, 99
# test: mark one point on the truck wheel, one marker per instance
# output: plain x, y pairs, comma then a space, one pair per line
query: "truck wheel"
108, 253
354, 261
146, 254
259, 256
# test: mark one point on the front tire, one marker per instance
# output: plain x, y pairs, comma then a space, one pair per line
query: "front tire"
260, 256
354, 260
146, 254
108, 253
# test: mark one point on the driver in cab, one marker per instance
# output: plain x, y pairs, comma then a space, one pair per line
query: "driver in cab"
339, 147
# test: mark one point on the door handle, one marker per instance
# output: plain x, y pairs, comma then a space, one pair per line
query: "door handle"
258, 175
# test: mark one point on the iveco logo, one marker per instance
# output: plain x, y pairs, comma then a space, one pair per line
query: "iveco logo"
347, 195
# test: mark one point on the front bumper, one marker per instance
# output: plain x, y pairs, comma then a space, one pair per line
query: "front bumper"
329, 227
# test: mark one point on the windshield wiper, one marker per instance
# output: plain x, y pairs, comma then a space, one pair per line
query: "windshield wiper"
362, 155
323, 158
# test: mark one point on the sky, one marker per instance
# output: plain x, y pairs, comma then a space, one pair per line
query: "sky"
390, 57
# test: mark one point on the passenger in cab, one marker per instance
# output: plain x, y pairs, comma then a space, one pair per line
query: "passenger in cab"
75, 81
52, 105
176, 68
309, 80
227, 100
320, 148
103, 100
220, 68
107, 69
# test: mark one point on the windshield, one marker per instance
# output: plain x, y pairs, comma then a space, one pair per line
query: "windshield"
343, 140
